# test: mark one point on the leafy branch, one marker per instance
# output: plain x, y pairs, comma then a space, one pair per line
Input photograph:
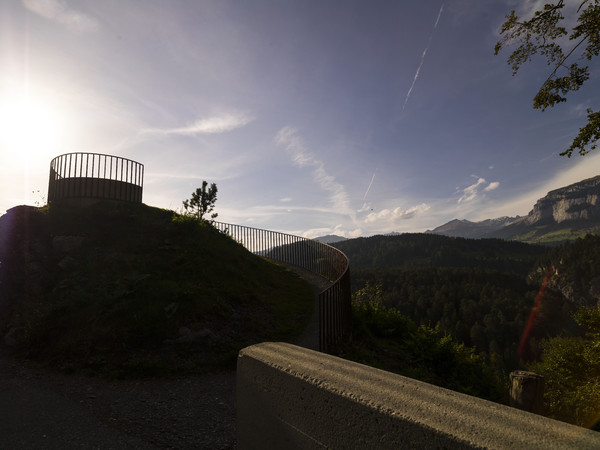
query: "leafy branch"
538, 36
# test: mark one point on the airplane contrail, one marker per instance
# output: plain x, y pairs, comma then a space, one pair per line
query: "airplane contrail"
437, 20
370, 184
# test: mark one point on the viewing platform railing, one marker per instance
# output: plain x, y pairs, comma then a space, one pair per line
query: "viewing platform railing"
95, 176
335, 310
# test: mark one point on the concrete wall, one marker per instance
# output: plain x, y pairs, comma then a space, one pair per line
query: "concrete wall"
93, 188
290, 397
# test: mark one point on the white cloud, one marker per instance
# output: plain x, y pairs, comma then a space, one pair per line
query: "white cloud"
212, 125
493, 185
338, 230
288, 138
286, 199
397, 214
471, 192
60, 12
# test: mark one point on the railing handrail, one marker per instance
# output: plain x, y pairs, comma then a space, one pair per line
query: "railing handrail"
334, 303
223, 226
96, 154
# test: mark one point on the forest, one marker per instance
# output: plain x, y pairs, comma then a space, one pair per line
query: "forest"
515, 304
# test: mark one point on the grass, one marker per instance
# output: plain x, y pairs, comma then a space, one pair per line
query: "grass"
557, 234
144, 280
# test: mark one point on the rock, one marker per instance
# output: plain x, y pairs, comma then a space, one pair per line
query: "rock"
573, 202
527, 391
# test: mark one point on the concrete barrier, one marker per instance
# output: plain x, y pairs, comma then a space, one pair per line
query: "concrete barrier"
289, 397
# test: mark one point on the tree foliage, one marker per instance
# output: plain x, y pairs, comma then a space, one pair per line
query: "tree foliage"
385, 338
571, 370
202, 202
545, 35
431, 250
483, 309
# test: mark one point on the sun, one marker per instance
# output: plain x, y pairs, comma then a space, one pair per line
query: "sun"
29, 128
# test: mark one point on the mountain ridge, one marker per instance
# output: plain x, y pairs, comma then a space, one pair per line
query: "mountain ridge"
562, 214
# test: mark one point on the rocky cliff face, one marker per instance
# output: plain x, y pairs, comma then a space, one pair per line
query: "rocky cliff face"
575, 202
563, 214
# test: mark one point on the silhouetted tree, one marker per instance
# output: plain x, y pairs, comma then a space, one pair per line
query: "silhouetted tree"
202, 202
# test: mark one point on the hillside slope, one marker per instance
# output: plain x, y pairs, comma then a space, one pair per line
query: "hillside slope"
132, 290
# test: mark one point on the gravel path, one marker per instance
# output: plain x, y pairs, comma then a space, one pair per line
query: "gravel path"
43, 409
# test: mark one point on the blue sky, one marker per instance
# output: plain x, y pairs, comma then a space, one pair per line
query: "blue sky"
313, 117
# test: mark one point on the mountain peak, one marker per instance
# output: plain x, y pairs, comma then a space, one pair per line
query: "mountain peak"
565, 213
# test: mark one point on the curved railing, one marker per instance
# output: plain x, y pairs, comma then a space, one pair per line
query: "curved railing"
95, 176
335, 310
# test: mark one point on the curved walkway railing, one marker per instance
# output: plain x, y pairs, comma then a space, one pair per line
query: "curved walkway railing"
335, 310
95, 176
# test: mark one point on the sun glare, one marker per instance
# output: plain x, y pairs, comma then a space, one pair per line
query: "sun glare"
28, 129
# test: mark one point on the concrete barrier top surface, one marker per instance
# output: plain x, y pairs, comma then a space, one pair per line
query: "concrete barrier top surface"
466, 421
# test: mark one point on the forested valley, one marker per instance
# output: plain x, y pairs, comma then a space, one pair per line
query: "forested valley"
511, 302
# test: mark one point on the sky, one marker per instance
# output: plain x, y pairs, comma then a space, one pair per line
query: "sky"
312, 117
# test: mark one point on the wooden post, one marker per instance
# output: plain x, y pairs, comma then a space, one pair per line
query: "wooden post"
527, 391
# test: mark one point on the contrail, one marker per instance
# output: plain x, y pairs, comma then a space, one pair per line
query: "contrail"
423, 57
370, 184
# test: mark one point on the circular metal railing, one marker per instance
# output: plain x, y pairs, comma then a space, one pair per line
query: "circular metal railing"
95, 176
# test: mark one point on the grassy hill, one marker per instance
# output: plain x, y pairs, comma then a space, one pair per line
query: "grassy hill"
130, 290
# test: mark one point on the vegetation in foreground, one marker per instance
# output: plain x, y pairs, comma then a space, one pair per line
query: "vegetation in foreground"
384, 338
512, 319
128, 290
571, 369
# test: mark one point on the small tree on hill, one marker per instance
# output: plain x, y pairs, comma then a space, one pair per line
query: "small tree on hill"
202, 202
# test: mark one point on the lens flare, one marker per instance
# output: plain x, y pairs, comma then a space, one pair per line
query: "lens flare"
533, 316
28, 128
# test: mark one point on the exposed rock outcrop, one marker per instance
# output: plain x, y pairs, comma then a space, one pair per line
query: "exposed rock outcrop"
575, 202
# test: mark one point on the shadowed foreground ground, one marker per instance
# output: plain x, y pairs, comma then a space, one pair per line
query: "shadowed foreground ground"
43, 409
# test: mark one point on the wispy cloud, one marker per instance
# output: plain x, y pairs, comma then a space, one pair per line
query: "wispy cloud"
288, 138
397, 214
437, 20
60, 12
471, 192
211, 125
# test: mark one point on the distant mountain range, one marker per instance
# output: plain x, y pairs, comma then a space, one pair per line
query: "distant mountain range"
330, 239
563, 214
472, 230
